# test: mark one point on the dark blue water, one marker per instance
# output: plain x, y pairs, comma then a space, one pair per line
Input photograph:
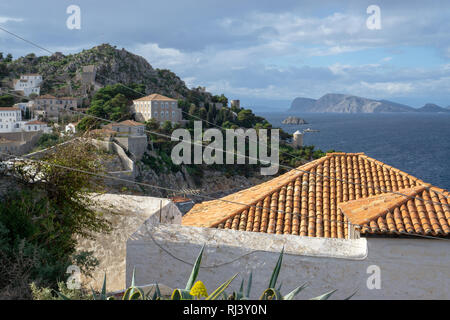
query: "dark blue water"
418, 144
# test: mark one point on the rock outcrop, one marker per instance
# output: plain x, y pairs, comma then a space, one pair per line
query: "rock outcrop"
294, 120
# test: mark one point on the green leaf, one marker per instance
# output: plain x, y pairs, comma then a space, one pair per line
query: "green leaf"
291, 295
241, 289
195, 269
103, 294
271, 294
219, 290
351, 296
62, 296
324, 296
249, 285
276, 271
180, 294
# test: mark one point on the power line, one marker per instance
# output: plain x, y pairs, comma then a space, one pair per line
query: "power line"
210, 197
290, 168
383, 190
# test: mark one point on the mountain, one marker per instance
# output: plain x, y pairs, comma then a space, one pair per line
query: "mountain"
302, 104
342, 103
62, 73
431, 107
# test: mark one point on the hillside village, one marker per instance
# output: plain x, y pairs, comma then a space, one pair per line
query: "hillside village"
334, 214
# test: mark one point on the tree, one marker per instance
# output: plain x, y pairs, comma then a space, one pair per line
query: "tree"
6, 100
245, 118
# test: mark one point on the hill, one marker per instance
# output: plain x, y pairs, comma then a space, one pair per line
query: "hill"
431, 107
341, 103
62, 73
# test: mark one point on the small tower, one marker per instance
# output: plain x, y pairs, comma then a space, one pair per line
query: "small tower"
297, 139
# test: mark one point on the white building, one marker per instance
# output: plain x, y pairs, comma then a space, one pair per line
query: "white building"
71, 127
28, 84
11, 121
157, 106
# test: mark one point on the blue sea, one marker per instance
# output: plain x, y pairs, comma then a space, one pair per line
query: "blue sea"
417, 143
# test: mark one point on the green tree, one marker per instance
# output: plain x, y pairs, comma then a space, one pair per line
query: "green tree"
6, 100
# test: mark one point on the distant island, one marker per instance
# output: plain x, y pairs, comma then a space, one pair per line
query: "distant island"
294, 120
342, 103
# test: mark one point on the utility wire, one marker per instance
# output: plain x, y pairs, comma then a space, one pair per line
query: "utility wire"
290, 168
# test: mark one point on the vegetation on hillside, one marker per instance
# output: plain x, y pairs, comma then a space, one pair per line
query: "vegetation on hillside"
38, 222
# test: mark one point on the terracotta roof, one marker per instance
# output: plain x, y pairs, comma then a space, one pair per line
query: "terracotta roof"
155, 96
35, 122
9, 109
128, 123
46, 96
360, 191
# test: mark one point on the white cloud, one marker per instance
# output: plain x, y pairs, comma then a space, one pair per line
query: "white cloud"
4, 19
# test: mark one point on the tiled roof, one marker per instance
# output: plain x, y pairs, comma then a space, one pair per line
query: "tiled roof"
9, 109
46, 96
35, 122
323, 197
155, 96
130, 123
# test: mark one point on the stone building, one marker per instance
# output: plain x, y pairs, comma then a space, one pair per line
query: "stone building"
52, 107
156, 106
130, 135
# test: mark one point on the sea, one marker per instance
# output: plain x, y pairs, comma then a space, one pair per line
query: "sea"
417, 143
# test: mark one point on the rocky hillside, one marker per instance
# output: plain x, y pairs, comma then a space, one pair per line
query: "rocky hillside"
341, 103
62, 72
431, 107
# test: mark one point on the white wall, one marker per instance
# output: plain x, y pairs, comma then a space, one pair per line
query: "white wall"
410, 268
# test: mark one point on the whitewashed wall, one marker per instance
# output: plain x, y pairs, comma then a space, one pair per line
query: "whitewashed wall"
410, 268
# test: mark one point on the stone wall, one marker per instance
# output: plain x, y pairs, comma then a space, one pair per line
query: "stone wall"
126, 214
410, 268
137, 145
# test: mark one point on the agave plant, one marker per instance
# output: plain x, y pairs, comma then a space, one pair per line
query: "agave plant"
196, 289
186, 294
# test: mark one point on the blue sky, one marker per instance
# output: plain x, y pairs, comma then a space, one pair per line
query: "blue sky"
263, 52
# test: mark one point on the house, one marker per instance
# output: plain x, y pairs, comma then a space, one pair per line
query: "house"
157, 106
36, 125
71, 127
130, 135
127, 128
345, 221
49, 106
28, 84
11, 121
10, 118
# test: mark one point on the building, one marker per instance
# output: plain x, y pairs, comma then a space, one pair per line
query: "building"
35, 125
71, 127
156, 106
49, 106
236, 103
127, 128
130, 135
340, 219
297, 139
28, 84
10, 119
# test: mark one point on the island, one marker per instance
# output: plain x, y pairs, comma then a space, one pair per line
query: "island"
294, 120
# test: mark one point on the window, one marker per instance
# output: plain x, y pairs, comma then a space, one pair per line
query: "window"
162, 114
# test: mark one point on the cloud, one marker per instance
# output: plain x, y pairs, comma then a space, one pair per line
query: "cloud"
4, 19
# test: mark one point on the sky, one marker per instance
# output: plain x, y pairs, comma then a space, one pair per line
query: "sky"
263, 52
